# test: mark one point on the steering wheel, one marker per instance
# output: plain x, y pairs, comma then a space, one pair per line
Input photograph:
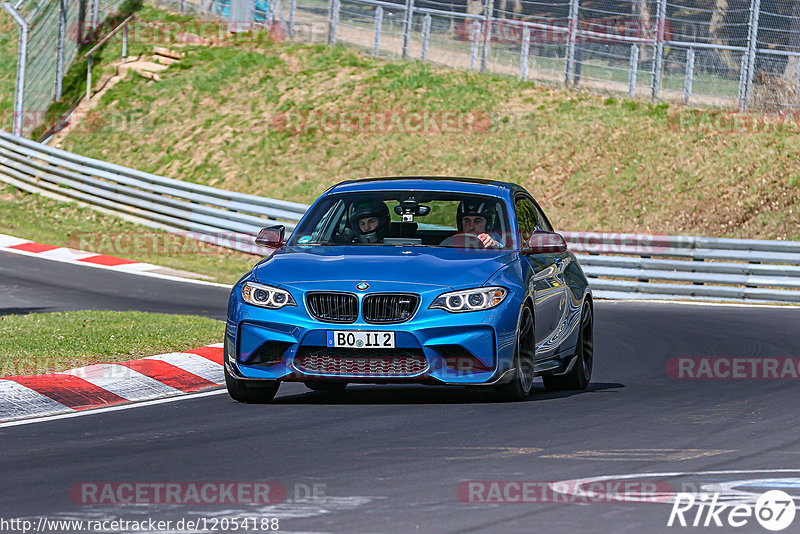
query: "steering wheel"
463, 240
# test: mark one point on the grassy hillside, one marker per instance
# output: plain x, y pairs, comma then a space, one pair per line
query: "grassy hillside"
595, 163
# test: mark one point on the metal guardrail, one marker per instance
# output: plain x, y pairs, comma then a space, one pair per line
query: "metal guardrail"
211, 215
620, 266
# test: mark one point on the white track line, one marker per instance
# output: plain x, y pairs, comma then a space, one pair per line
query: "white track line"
116, 408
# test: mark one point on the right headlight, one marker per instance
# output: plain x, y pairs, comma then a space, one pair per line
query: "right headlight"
481, 298
266, 296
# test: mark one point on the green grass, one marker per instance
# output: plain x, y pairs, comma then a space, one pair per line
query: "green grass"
67, 224
50, 342
594, 163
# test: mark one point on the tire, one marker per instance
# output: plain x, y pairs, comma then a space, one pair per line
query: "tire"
242, 391
319, 385
524, 356
581, 374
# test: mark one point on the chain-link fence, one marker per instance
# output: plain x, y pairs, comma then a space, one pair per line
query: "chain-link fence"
50, 33
726, 53
722, 53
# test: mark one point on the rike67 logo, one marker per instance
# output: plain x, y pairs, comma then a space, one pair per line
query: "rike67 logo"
774, 510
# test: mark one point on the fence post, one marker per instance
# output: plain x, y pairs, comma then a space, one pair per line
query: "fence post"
687, 83
95, 13
89, 78
292, 9
182, 6
408, 19
633, 71
752, 37
19, 84
523, 53
124, 42
658, 57
742, 78
426, 36
376, 37
333, 21
487, 34
62, 31
473, 49
572, 36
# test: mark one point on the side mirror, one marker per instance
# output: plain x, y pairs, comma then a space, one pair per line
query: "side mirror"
542, 242
271, 236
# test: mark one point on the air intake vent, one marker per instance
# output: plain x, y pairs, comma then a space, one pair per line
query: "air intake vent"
390, 307
333, 307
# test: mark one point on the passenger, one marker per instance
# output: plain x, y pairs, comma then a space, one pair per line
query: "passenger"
369, 221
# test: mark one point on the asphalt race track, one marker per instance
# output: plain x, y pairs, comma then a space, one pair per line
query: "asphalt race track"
30, 285
391, 459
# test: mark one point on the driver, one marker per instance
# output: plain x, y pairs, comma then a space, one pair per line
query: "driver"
478, 218
369, 220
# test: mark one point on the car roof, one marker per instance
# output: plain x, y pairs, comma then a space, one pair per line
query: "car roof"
454, 184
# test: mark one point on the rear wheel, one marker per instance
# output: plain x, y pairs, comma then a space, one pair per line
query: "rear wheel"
520, 386
249, 392
319, 385
581, 372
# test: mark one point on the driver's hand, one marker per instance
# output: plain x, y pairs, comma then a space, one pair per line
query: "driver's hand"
488, 242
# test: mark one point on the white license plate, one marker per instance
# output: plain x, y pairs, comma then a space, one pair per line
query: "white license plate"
361, 340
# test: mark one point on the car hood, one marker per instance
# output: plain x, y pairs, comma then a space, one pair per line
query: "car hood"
445, 267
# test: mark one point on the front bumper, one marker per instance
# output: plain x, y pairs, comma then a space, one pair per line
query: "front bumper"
434, 346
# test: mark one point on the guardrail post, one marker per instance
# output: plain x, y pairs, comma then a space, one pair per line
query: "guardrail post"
408, 19
89, 78
658, 57
752, 38
376, 35
292, 10
742, 78
687, 83
524, 52
633, 71
487, 34
572, 36
426, 36
62, 31
473, 49
333, 21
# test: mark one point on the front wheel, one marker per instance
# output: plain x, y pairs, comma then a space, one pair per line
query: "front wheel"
520, 386
245, 391
581, 373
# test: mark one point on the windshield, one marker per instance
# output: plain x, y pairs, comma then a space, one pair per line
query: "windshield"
406, 218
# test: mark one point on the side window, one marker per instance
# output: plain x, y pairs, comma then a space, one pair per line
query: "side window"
526, 218
541, 220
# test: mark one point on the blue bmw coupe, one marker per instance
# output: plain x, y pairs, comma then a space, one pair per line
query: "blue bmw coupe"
450, 281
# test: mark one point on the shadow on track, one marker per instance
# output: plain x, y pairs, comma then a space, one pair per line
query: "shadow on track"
376, 395
22, 311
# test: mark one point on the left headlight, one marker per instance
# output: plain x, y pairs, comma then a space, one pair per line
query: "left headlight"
266, 296
481, 298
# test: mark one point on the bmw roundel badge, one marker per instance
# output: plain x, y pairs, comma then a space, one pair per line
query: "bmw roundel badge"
363, 286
